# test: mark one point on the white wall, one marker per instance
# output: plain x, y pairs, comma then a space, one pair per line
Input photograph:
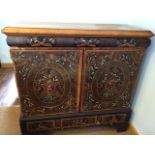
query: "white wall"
144, 100
134, 12
4, 49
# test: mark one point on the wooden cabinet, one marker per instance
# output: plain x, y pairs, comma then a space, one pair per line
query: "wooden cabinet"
71, 76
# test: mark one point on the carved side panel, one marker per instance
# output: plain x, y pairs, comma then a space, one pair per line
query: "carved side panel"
108, 78
47, 81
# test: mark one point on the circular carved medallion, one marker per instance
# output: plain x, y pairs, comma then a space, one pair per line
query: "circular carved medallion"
50, 84
110, 81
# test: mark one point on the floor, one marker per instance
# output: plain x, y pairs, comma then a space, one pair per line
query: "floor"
10, 111
9, 125
8, 89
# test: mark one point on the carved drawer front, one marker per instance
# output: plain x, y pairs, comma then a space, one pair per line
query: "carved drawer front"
109, 77
79, 122
66, 123
47, 80
40, 125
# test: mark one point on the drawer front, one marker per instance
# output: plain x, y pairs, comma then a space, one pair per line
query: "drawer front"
48, 80
55, 41
109, 78
74, 122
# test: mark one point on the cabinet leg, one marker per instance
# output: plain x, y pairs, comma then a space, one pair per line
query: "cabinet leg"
121, 127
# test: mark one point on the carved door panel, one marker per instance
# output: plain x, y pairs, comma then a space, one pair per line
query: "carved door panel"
109, 77
48, 80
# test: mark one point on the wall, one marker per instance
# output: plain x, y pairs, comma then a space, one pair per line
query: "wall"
4, 49
134, 12
144, 100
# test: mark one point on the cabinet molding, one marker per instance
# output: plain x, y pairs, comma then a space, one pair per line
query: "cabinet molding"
51, 41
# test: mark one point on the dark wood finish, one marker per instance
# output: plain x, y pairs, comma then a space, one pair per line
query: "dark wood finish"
109, 77
76, 76
43, 125
46, 78
50, 41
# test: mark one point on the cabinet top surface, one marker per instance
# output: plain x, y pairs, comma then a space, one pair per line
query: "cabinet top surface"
68, 29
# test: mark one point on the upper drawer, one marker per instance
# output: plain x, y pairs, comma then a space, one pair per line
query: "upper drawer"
50, 41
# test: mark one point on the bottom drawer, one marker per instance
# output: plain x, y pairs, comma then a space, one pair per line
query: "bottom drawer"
73, 122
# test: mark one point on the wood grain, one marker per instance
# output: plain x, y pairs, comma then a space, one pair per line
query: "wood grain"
58, 75
96, 30
75, 75
109, 77
9, 125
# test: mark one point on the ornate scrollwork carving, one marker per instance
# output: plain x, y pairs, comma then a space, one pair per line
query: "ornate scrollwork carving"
45, 81
40, 125
48, 41
127, 42
109, 79
50, 85
40, 41
86, 42
87, 121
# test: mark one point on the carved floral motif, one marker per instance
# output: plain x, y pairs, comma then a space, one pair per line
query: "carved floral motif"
86, 42
109, 79
127, 42
59, 41
44, 81
46, 125
40, 41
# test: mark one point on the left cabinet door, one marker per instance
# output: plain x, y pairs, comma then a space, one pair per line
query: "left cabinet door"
48, 80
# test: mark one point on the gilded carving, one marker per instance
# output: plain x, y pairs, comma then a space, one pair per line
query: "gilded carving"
86, 42
127, 42
59, 41
44, 80
87, 121
40, 41
109, 79
40, 125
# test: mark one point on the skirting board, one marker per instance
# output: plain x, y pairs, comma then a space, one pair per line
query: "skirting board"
133, 130
7, 65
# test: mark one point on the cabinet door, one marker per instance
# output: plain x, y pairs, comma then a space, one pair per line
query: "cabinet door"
108, 78
48, 80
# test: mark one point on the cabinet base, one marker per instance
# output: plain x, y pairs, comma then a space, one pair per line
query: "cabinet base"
121, 127
47, 125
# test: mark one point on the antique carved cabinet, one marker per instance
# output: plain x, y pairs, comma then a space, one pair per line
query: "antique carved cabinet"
71, 75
